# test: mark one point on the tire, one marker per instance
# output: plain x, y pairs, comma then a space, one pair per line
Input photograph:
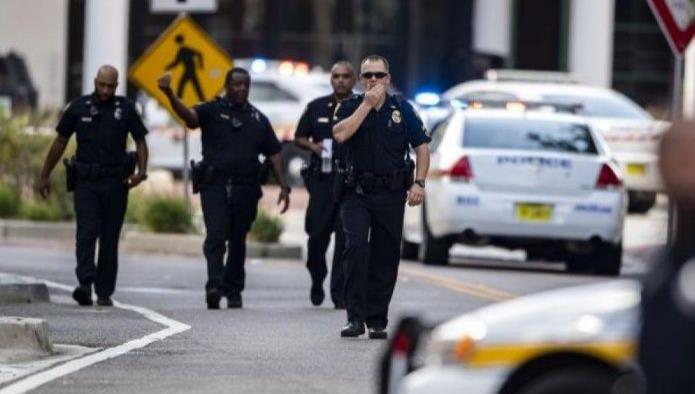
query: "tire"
409, 250
571, 380
434, 250
640, 202
605, 260
608, 259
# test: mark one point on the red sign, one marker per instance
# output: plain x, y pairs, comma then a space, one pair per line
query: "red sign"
677, 21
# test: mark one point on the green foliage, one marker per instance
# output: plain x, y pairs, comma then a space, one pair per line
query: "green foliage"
166, 215
23, 147
40, 210
136, 207
9, 202
266, 228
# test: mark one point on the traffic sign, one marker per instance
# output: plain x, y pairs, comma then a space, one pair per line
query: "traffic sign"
176, 6
197, 64
677, 21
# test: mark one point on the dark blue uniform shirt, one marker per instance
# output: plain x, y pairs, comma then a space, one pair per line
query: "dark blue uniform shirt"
379, 145
234, 135
101, 128
317, 122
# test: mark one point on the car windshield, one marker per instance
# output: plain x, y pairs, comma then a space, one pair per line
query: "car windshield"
601, 107
532, 135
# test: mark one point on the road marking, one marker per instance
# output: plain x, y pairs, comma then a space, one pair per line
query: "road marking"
173, 327
476, 290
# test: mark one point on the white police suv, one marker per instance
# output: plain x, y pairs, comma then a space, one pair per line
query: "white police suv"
540, 181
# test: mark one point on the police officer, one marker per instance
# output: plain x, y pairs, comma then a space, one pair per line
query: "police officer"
104, 173
376, 129
667, 339
234, 133
315, 133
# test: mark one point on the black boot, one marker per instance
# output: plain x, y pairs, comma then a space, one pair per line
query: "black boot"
316, 295
352, 329
83, 295
212, 298
377, 333
104, 301
234, 300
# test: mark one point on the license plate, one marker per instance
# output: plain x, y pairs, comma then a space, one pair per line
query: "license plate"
526, 212
636, 169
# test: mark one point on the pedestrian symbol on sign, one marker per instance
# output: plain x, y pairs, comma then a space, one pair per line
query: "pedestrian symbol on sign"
191, 60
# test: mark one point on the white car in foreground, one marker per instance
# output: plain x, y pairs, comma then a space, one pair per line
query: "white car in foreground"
632, 134
579, 340
542, 182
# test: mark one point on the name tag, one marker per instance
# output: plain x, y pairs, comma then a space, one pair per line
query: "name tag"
86, 119
224, 116
322, 120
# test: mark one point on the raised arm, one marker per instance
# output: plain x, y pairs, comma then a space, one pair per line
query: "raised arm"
188, 115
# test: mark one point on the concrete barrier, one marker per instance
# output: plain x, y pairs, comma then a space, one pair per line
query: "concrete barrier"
15, 289
23, 338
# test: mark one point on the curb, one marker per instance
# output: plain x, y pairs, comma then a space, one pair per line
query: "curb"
137, 241
23, 338
14, 289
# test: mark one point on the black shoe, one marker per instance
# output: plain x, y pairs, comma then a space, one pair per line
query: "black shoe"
212, 298
317, 295
352, 329
83, 295
338, 305
234, 301
104, 301
377, 333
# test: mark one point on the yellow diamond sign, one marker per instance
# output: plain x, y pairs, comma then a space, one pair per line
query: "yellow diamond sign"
197, 64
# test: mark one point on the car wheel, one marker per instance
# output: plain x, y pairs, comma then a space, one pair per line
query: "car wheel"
578, 380
434, 250
608, 259
640, 202
409, 250
577, 263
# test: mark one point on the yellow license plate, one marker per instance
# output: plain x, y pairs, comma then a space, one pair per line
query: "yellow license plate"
636, 169
534, 212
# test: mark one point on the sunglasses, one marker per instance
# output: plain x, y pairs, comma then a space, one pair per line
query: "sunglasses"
344, 76
378, 75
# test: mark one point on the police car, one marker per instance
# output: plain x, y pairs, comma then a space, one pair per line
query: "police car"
632, 134
572, 340
525, 179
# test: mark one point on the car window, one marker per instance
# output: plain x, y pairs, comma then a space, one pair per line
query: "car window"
269, 91
601, 107
532, 135
438, 133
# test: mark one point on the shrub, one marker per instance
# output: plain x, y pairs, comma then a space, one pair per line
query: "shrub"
40, 210
266, 228
136, 208
166, 215
9, 202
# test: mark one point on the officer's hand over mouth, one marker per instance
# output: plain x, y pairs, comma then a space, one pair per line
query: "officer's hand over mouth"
284, 197
165, 82
375, 95
416, 195
44, 186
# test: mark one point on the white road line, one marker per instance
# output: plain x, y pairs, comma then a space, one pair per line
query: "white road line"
173, 327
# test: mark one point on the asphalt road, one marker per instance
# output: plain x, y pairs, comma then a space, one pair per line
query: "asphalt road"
278, 343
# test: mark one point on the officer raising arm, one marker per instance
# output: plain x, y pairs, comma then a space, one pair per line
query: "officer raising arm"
101, 175
233, 133
376, 129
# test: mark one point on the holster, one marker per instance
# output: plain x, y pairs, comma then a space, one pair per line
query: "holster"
344, 178
70, 173
409, 173
201, 173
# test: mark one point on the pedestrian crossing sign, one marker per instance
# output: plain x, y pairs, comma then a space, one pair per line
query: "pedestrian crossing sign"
197, 64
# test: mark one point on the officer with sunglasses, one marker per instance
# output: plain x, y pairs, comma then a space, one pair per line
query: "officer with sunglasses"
377, 130
315, 133
233, 134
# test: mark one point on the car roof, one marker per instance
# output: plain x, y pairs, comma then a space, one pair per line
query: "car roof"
521, 115
527, 90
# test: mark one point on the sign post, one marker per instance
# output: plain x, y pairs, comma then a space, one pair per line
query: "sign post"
197, 65
677, 21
